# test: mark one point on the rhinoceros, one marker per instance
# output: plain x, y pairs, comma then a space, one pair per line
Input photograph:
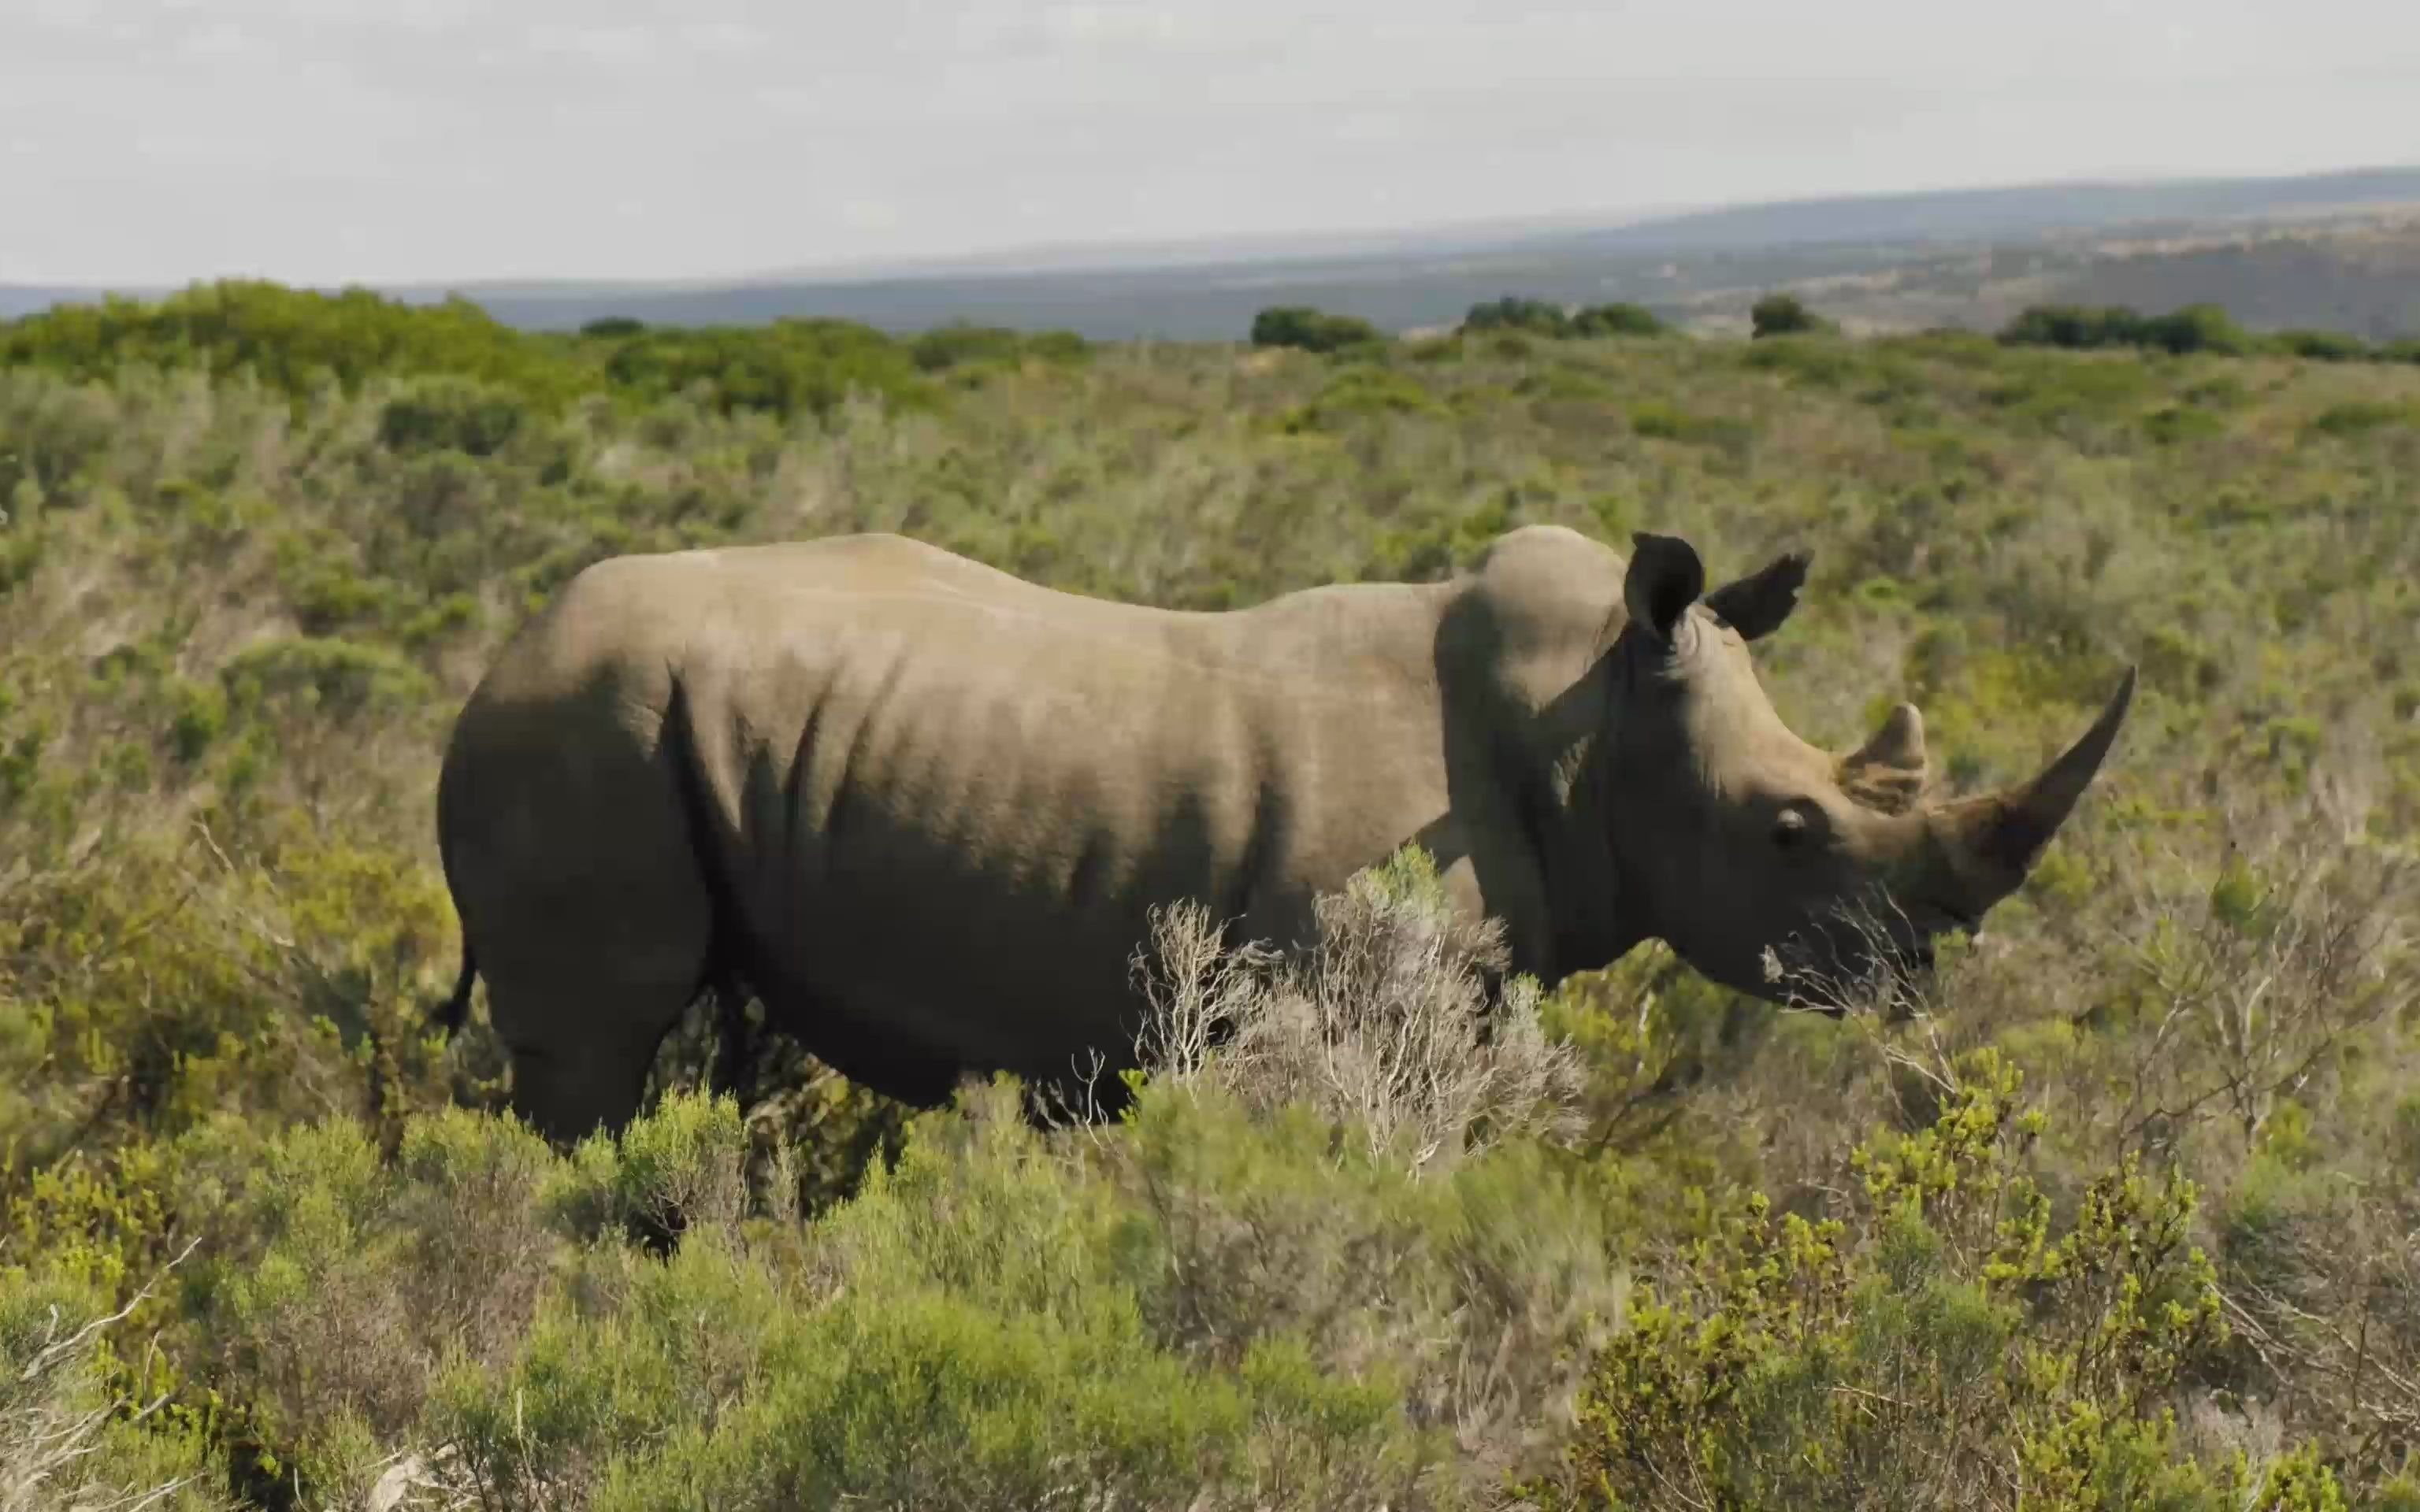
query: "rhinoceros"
924, 810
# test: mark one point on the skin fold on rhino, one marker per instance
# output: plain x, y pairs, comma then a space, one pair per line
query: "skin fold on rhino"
922, 808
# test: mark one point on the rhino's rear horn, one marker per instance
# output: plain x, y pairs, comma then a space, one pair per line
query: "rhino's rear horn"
1899, 744
2010, 829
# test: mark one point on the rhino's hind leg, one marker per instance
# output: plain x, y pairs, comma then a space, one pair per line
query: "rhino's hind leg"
592, 921
583, 1014
589, 1068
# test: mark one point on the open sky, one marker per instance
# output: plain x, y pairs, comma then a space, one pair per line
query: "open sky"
157, 141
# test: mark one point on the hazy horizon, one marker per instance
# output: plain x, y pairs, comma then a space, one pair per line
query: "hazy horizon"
172, 140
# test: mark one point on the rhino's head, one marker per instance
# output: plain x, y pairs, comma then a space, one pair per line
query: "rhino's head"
1771, 865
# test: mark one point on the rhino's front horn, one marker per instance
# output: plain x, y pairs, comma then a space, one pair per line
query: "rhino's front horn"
2010, 829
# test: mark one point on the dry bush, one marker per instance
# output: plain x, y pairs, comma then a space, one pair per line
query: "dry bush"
1353, 1147
2252, 990
65, 1444
2322, 1285
1383, 1024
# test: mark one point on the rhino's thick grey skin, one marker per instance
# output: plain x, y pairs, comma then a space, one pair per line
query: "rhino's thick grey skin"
922, 808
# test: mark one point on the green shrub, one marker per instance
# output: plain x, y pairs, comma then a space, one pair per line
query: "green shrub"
1617, 319
1311, 331
340, 678
1665, 422
2358, 417
2073, 326
793, 366
1783, 314
1358, 393
684, 1164
1513, 313
2194, 328
450, 414
961, 344
2321, 345
2179, 424
962, 1331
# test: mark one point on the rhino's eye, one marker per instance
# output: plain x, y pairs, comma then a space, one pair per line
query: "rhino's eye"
1791, 830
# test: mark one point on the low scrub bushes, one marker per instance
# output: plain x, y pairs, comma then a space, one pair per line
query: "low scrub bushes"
1359, 1237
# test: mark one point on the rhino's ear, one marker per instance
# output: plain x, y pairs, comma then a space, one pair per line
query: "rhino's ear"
1756, 606
1664, 579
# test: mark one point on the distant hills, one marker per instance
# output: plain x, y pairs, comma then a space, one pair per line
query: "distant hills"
2017, 211
2335, 251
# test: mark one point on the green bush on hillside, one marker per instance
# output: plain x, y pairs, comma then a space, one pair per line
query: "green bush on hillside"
790, 367
1617, 319
1305, 329
1541, 318
2321, 345
1514, 313
959, 343
2194, 328
1783, 314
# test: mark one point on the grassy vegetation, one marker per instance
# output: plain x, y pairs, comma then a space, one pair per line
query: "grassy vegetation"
2125, 1216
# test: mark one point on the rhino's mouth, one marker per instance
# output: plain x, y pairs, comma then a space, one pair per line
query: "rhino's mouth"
1832, 975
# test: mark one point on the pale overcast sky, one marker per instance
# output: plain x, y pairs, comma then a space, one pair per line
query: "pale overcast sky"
390, 140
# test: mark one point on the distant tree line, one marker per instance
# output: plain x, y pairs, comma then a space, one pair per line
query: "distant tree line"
2194, 328
294, 340
1306, 328
2191, 328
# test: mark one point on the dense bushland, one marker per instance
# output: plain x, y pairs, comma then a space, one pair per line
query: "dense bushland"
2125, 1215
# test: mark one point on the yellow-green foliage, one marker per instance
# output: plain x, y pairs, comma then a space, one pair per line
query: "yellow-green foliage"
255, 546
1935, 1342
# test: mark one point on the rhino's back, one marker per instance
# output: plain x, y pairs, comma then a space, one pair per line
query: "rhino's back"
940, 792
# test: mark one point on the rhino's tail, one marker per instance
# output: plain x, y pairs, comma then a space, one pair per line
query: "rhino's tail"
454, 1011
